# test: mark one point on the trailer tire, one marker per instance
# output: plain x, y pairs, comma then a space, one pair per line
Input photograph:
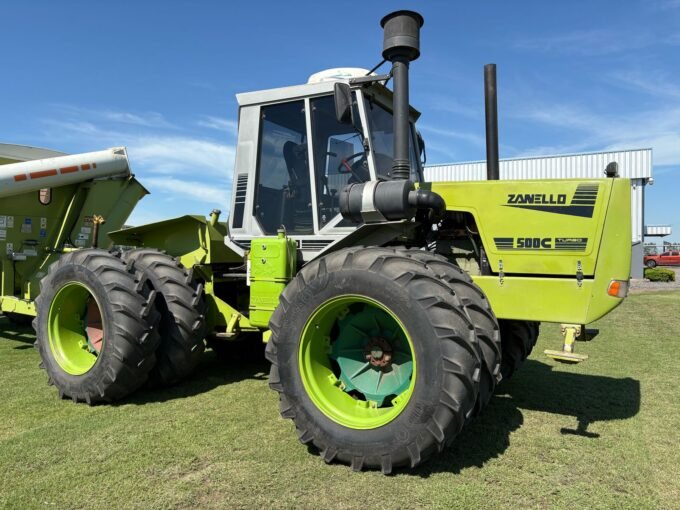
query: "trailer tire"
479, 311
95, 327
409, 305
180, 300
518, 339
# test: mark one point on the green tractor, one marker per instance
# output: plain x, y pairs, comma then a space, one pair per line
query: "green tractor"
390, 307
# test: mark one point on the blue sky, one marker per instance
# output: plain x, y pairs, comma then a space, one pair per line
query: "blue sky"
160, 78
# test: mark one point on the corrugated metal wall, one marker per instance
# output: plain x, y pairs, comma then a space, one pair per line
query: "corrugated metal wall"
634, 164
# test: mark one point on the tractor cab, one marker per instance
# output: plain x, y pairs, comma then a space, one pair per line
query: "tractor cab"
294, 157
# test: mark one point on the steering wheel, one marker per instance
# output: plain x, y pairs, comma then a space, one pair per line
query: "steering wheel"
345, 168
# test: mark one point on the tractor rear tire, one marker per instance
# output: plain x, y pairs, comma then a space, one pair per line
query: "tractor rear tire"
518, 339
181, 303
479, 311
95, 327
408, 309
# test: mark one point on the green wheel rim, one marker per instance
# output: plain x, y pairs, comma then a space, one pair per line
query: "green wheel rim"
76, 333
357, 362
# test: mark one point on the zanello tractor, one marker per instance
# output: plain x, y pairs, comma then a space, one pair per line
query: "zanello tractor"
390, 307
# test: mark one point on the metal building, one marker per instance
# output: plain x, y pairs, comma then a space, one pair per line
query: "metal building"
635, 164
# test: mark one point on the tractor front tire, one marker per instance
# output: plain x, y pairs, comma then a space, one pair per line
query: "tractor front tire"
336, 325
181, 303
518, 339
95, 327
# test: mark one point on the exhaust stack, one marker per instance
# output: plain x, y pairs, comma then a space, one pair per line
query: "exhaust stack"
491, 107
401, 45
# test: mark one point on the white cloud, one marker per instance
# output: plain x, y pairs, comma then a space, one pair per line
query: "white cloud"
658, 129
219, 124
466, 136
203, 191
143, 119
182, 155
654, 84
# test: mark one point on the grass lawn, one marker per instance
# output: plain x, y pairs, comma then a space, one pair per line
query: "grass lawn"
602, 434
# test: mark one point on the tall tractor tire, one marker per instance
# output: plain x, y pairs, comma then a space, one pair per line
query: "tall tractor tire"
180, 300
374, 359
96, 327
518, 339
479, 311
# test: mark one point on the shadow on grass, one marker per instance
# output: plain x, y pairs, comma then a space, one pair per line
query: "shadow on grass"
17, 332
215, 369
537, 387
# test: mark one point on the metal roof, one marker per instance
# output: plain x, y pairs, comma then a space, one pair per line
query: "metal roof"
26, 152
633, 164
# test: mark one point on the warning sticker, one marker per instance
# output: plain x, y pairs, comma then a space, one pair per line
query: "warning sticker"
86, 230
43, 222
43, 232
10, 221
27, 226
30, 252
10, 248
3, 221
83, 237
3, 234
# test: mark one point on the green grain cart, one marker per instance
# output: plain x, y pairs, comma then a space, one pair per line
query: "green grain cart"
391, 307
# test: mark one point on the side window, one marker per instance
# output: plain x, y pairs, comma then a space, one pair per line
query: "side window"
283, 192
339, 156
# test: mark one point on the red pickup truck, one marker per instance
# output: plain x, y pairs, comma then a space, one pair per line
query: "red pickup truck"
667, 258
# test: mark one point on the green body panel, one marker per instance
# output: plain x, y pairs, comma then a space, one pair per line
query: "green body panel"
272, 263
39, 233
588, 232
193, 239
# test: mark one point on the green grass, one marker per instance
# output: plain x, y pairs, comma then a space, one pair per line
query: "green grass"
602, 434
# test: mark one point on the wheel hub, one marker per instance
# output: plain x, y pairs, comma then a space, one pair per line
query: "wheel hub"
378, 352
373, 355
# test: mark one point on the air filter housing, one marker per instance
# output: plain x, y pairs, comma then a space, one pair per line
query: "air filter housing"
401, 35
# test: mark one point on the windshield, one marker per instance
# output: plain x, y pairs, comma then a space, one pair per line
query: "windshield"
382, 138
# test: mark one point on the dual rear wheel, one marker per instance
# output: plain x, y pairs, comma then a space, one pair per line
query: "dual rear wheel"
107, 325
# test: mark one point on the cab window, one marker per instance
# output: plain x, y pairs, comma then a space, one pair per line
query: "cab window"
283, 192
339, 157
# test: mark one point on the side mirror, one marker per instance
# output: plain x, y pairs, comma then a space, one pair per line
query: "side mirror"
343, 103
421, 147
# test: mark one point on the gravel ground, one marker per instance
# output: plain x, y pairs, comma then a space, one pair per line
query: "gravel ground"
641, 285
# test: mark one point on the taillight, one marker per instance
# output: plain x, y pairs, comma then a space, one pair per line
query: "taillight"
618, 288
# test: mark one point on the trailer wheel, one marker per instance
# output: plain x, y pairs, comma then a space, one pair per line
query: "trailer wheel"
373, 358
181, 302
480, 314
518, 339
96, 327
